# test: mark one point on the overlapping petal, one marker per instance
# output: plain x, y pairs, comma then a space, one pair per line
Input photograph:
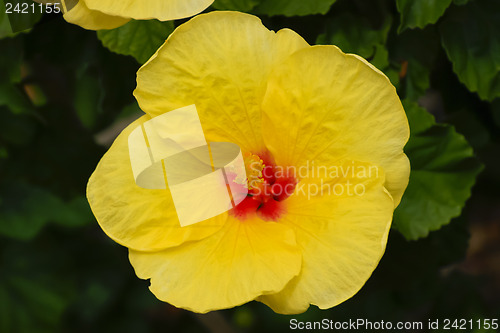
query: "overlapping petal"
221, 62
163, 10
110, 14
323, 105
135, 217
342, 238
237, 264
81, 15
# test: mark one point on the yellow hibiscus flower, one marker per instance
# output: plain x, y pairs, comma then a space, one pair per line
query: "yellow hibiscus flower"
289, 106
110, 14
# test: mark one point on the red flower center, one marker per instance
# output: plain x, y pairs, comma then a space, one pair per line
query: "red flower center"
267, 191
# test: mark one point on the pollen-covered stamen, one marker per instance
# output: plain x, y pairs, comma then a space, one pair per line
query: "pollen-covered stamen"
267, 187
253, 166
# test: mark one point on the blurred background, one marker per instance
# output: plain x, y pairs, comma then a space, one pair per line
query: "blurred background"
66, 93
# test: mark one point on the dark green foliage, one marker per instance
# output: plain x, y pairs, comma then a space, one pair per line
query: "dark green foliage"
139, 39
443, 171
62, 90
418, 14
471, 37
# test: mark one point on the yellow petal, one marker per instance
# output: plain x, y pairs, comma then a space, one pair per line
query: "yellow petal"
323, 105
163, 10
135, 217
81, 15
341, 237
240, 262
221, 62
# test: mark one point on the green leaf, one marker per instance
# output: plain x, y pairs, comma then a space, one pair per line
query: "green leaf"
21, 16
11, 94
238, 5
419, 13
417, 50
355, 35
471, 126
443, 171
25, 210
139, 39
471, 37
380, 58
5, 28
417, 80
293, 7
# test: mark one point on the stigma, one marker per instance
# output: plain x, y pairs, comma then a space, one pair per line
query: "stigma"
268, 188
